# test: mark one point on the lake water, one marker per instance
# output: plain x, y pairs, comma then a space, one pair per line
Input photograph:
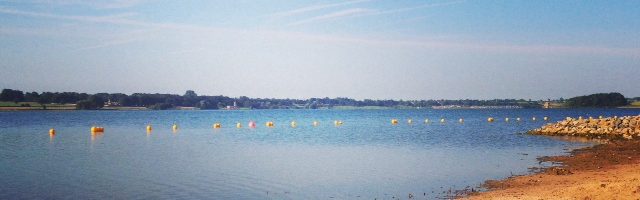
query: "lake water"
365, 158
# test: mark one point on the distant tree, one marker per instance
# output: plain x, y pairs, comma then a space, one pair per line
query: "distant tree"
190, 98
313, 105
598, 100
190, 93
11, 95
31, 96
92, 103
103, 96
207, 105
45, 98
161, 106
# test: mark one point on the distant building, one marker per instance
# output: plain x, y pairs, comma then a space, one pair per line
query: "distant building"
111, 103
234, 107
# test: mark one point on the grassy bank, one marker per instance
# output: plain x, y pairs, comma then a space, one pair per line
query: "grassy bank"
26, 106
635, 104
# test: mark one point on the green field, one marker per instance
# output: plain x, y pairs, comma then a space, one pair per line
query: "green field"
8, 105
635, 104
19, 104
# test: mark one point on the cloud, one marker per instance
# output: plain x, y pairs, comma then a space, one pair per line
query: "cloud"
118, 18
336, 15
430, 5
204, 31
360, 12
314, 8
104, 4
120, 39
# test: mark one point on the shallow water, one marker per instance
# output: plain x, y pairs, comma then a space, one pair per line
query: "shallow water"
365, 158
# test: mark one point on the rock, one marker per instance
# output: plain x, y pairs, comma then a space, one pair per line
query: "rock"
615, 127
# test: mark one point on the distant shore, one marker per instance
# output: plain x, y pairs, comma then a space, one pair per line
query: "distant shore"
610, 170
65, 108
71, 107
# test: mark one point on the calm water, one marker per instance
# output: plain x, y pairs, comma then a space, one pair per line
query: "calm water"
365, 158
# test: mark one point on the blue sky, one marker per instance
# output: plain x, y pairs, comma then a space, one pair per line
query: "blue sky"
299, 49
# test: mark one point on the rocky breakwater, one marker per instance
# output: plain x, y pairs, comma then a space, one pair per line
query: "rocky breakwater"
627, 127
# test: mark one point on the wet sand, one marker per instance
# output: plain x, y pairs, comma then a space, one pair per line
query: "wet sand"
605, 171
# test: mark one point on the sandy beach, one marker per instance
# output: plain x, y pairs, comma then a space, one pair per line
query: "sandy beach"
605, 171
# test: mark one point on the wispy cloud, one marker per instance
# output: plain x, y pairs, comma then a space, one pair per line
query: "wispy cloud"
336, 15
430, 5
361, 12
117, 18
103, 4
120, 39
213, 32
314, 8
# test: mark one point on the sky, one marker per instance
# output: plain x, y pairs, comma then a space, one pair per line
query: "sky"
362, 49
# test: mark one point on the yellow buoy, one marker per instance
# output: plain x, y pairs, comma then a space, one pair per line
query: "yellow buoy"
461, 120
238, 125
426, 121
52, 131
533, 118
442, 120
506, 119
394, 121
95, 129
546, 118
217, 125
174, 127
268, 124
490, 119
518, 119
315, 123
149, 128
293, 124
409, 121
337, 122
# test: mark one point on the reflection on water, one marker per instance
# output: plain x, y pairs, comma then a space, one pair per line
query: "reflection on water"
579, 139
364, 156
51, 137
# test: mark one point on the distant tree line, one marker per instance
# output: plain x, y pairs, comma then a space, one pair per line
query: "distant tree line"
191, 99
598, 100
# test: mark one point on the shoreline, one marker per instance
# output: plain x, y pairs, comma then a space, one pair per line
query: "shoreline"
604, 171
609, 170
68, 108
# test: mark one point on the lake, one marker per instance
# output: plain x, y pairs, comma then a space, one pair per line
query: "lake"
365, 158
